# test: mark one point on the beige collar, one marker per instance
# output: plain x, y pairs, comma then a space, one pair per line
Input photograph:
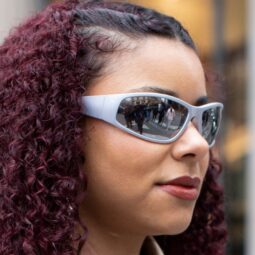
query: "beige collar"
151, 247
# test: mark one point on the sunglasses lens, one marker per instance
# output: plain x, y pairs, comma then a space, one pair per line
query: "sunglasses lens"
153, 117
210, 124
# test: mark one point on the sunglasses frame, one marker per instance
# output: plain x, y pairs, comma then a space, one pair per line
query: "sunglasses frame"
105, 107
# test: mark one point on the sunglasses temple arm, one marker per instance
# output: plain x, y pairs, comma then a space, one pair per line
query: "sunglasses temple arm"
93, 106
102, 107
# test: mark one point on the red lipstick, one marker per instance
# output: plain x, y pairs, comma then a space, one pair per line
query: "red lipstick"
184, 187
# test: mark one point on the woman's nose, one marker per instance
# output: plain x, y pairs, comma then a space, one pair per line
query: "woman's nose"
190, 144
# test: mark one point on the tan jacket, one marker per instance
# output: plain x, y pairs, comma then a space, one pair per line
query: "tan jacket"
151, 247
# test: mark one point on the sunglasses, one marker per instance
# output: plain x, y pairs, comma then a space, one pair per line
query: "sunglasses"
154, 117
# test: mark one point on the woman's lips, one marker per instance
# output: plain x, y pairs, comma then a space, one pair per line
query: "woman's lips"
184, 187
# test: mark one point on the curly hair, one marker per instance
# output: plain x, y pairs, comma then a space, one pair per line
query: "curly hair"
46, 64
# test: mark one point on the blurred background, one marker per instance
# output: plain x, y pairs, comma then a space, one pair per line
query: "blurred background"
223, 32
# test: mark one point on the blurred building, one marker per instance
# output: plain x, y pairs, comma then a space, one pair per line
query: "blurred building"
12, 12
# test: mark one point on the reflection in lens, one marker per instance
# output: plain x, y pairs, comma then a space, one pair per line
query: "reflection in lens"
153, 117
210, 124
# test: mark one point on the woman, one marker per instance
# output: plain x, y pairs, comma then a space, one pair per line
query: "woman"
75, 177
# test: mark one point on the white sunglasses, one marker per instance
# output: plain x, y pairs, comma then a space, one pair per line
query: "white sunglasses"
154, 117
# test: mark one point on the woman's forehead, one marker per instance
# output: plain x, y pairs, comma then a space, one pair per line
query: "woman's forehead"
157, 62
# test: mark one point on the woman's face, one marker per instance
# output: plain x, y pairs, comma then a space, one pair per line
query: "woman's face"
124, 171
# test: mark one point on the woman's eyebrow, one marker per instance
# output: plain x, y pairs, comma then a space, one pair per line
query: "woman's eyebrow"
156, 90
200, 101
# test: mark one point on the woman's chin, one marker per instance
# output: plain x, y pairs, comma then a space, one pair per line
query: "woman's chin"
174, 228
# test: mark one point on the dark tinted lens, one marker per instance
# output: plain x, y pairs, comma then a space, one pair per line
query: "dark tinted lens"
153, 117
210, 124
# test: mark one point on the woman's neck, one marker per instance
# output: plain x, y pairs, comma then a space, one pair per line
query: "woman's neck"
107, 236
104, 242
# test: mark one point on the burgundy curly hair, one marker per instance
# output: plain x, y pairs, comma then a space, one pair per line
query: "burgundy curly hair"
46, 64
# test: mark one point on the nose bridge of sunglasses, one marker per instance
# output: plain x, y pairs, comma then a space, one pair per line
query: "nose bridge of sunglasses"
195, 123
196, 118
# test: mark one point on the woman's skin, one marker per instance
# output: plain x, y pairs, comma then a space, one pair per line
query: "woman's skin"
124, 204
